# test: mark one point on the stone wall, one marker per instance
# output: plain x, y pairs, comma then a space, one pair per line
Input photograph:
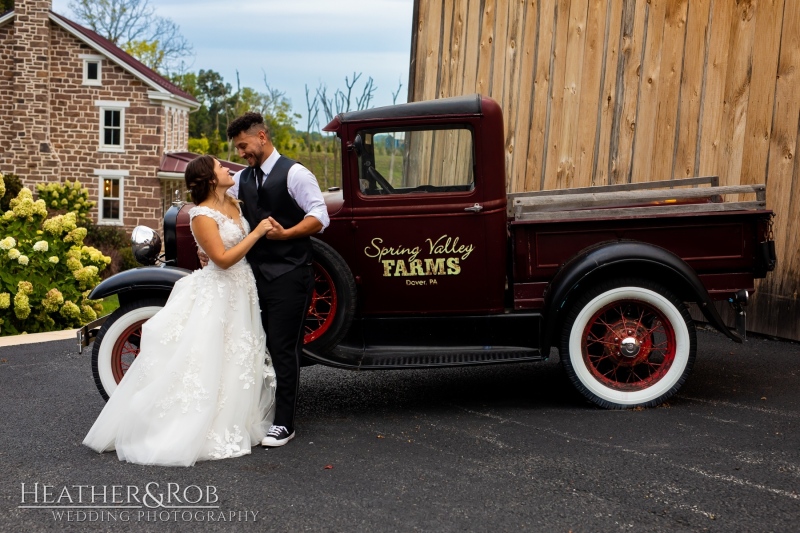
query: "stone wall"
75, 131
6, 95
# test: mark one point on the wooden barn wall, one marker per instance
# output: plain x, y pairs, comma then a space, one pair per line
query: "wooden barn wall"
614, 91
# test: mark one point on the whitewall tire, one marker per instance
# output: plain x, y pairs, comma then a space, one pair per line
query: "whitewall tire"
628, 343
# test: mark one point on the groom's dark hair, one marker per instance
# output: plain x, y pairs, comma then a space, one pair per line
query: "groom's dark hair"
250, 122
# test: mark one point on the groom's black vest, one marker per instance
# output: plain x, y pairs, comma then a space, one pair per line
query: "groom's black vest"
273, 258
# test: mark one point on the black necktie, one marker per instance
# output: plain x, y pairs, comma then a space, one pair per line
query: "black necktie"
259, 177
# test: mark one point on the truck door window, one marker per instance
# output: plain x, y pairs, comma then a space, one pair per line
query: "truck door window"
416, 161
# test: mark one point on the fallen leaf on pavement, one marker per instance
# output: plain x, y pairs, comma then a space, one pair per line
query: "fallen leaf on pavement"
328, 467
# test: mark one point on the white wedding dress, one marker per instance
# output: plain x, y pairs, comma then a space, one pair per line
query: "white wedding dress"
202, 386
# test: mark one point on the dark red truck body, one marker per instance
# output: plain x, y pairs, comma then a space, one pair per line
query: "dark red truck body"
448, 275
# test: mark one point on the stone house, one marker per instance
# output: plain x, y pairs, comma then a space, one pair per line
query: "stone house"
73, 105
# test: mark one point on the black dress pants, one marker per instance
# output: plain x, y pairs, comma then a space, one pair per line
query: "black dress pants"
284, 303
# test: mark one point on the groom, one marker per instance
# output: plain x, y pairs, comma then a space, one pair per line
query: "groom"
281, 190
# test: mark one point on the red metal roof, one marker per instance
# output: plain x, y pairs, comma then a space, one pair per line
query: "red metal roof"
123, 57
177, 161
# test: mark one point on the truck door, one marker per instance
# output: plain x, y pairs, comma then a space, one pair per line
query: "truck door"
426, 241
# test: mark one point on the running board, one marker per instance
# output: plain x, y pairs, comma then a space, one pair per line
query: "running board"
397, 358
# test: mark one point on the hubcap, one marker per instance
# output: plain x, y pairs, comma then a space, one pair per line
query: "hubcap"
629, 347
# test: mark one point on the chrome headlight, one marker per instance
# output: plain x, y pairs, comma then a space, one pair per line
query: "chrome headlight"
146, 245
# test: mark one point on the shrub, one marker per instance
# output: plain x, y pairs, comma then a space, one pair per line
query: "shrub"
13, 184
65, 198
46, 271
107, 236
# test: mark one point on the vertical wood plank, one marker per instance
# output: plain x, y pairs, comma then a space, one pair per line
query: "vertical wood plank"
628, 87
649, 82
485, 52
421, 50
448, 50
527, 61
692, 77
589, 102
511, 96
762, 91
472, 44
469, 67
553, 172
499, 52
714, 94
536, 154
672, 58
608, 99
573, 79
737, 92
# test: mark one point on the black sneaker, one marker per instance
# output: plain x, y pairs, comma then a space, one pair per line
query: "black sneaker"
277, 436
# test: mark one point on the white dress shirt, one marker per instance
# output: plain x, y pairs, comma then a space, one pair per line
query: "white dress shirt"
302, 185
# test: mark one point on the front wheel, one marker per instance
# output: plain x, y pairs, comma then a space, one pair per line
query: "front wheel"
628, 343
117, 343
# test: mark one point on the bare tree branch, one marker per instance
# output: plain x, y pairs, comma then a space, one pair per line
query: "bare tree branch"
134, 26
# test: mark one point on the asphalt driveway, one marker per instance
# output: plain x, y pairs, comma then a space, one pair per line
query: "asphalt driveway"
501, 448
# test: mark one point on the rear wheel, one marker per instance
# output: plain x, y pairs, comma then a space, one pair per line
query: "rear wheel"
628, 343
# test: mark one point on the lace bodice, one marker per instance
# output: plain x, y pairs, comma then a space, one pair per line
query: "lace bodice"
230, 232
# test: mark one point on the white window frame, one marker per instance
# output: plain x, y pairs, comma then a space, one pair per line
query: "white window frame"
87, 58
103, 174
103, 106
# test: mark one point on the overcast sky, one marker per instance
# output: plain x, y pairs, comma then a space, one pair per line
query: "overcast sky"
296, 42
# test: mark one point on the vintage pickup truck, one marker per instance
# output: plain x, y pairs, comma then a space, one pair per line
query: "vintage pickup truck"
429, 263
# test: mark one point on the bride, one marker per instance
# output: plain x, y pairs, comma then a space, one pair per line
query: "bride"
202, 386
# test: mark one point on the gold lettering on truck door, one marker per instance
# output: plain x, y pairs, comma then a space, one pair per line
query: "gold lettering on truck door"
445, 258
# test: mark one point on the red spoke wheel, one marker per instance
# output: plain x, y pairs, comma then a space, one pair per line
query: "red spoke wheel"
333, 302
323, 306
125, 350
117, 343
628, 343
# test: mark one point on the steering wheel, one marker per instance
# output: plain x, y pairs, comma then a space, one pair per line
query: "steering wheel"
375, 175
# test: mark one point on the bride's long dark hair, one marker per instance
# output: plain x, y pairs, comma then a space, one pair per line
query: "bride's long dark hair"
200, 178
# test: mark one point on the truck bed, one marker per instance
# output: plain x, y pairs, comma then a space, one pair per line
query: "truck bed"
718, 239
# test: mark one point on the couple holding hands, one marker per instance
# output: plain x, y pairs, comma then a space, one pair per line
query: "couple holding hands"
219, 366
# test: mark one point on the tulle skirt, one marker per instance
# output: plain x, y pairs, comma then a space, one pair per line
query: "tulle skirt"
202, 386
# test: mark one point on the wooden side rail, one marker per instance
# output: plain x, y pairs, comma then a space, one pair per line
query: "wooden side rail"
713, 181
602, 201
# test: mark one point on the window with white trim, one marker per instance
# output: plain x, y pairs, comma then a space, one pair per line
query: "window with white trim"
111, 195
112, 126
92, 69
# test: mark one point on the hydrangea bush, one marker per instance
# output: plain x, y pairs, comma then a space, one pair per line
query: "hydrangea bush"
46, 272
68, 197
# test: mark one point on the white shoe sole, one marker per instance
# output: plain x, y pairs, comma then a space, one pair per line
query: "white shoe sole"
270, 442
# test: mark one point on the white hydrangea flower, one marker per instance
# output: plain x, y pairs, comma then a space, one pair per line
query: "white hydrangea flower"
23, 260
13, 254
53, 259
41, 246
7, 243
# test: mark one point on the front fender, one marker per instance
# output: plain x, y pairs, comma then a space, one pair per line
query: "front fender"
158, 279
625, 258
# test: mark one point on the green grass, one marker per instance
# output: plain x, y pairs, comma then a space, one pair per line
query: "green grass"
110, 305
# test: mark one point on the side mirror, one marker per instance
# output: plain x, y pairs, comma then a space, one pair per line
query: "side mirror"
358, 145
